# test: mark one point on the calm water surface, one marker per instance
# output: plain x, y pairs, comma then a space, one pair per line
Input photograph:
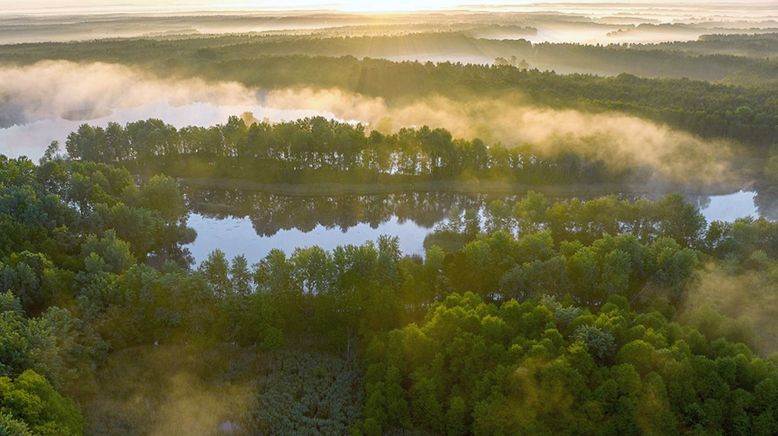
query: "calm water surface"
305, 222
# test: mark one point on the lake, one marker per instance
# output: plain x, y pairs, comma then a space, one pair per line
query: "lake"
252, 223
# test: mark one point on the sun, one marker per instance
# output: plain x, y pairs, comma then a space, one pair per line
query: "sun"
395, 6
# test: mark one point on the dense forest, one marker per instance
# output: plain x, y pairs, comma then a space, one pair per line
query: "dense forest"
706, 59
570, 309
761, 46
707, 109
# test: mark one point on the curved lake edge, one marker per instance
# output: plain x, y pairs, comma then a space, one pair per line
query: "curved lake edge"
454, 187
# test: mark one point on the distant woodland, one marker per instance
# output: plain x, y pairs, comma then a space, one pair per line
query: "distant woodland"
730, 96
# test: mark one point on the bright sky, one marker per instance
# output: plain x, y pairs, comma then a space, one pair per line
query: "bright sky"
140, 5
60, 6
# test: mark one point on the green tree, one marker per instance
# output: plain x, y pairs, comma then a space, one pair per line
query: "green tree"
112, 251
30, 399
216, 271
240, 276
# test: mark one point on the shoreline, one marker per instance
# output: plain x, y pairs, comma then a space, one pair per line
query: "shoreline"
453, 187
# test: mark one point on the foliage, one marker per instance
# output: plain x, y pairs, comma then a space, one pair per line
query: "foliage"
306, 394
483, 368
29, 404
316, 149
550, 316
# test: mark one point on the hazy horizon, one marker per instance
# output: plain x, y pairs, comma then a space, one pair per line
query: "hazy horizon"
76, 7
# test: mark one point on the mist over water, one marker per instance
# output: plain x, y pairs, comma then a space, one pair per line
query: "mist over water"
619, 140
31, 139
51, 98
46, 101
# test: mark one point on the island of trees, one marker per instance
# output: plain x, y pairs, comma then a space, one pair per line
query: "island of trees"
319, 149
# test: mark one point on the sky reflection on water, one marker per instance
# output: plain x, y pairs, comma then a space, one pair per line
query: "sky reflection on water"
237, 236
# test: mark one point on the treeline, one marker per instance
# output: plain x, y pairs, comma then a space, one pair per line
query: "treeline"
93, 263
320, 149
703, 108
560, 57
757, 45
725, 58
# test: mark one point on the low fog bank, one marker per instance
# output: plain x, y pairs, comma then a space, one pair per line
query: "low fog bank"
172, 390
46, 101
62, 90
622, 141
580, 22
740, 304
24, 28
56, 89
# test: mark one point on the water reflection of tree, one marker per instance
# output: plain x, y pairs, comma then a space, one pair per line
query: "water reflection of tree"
766, 201
270, 213
701, 201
